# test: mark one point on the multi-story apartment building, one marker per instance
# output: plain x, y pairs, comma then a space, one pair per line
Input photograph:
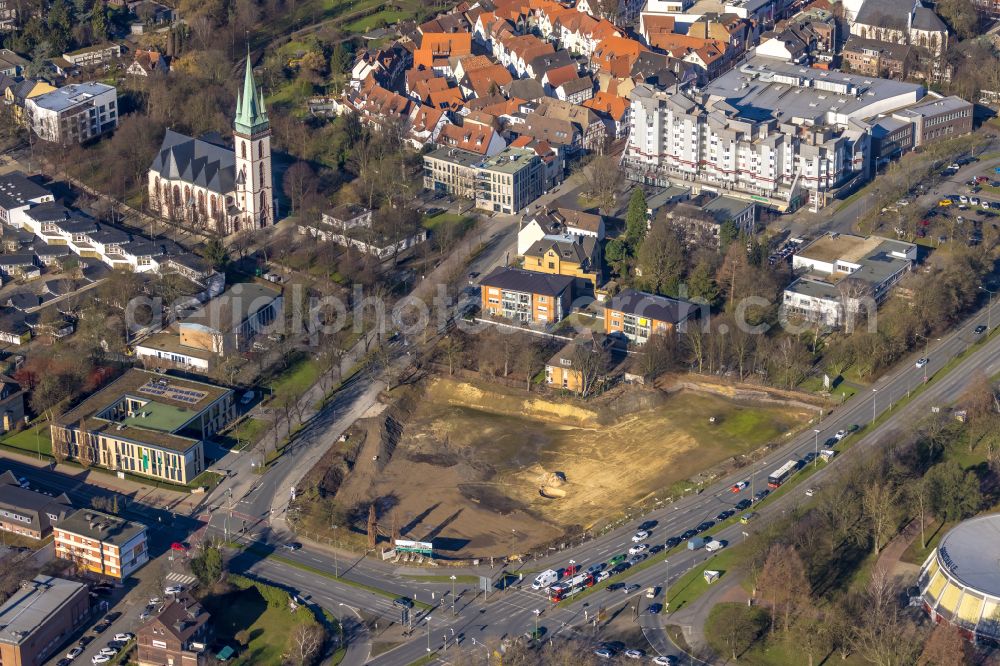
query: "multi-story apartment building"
637, 315
842, 274
504, 183
74, 113
145, 423
451, 171
101, 543
509, 181
178, 636
27, 512
777, 133
39, 617
524, 296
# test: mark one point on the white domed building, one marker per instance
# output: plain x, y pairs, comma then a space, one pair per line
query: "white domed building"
960, 581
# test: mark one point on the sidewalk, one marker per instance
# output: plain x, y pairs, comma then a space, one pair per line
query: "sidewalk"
177, 501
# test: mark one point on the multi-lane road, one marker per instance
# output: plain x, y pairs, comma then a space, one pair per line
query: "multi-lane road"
512, 612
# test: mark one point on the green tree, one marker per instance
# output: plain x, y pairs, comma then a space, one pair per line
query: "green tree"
953, 493
701, 282
661, 259
635, 217
208, 566
617, 254
99, 23
728, 232
216, 254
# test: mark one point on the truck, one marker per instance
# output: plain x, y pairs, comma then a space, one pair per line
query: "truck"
713, 545
694, 543
544, 579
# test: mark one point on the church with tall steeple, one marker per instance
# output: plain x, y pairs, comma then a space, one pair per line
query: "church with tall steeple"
205, 184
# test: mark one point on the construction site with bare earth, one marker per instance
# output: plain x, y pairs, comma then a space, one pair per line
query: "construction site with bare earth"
487, 470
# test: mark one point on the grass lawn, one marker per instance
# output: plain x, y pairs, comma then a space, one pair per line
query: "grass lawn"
27, 441
692, 584
915, 553
267, 625
247, 433
389, 16
431, 223
297, 379
207, 478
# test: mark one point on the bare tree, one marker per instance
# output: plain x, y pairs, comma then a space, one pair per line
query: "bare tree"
879, 503
305, 642
590, 362
603, 180
880, 633
783, 583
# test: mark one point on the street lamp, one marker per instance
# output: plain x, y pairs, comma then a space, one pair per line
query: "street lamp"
336, 563
666, 588
816, 447
874, 393
428, 620
537, 613
485, 647
453, 594
989, 309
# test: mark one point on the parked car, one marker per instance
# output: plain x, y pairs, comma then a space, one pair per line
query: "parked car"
100, 659
603, 653
635, 654
124, 637
74, 653
173, 589
665, 660
101, 627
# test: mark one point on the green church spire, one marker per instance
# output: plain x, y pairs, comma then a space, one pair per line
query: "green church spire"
251, 116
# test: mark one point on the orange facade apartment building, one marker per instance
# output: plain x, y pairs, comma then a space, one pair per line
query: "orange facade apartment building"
637, 315
101, 543
525, 296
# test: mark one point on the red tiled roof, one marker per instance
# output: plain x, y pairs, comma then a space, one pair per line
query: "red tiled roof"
560, 75
471, 137
606, 103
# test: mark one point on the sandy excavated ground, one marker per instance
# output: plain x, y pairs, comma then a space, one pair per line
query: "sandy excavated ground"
473, 462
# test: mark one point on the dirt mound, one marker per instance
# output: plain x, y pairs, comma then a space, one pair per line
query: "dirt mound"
490, 498
552, 485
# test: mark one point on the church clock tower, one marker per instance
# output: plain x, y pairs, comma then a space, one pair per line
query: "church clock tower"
252, 144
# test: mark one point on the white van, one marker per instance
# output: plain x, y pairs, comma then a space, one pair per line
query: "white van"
544, 579
713, 546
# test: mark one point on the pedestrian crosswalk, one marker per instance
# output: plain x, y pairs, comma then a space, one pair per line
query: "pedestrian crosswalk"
174, 578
